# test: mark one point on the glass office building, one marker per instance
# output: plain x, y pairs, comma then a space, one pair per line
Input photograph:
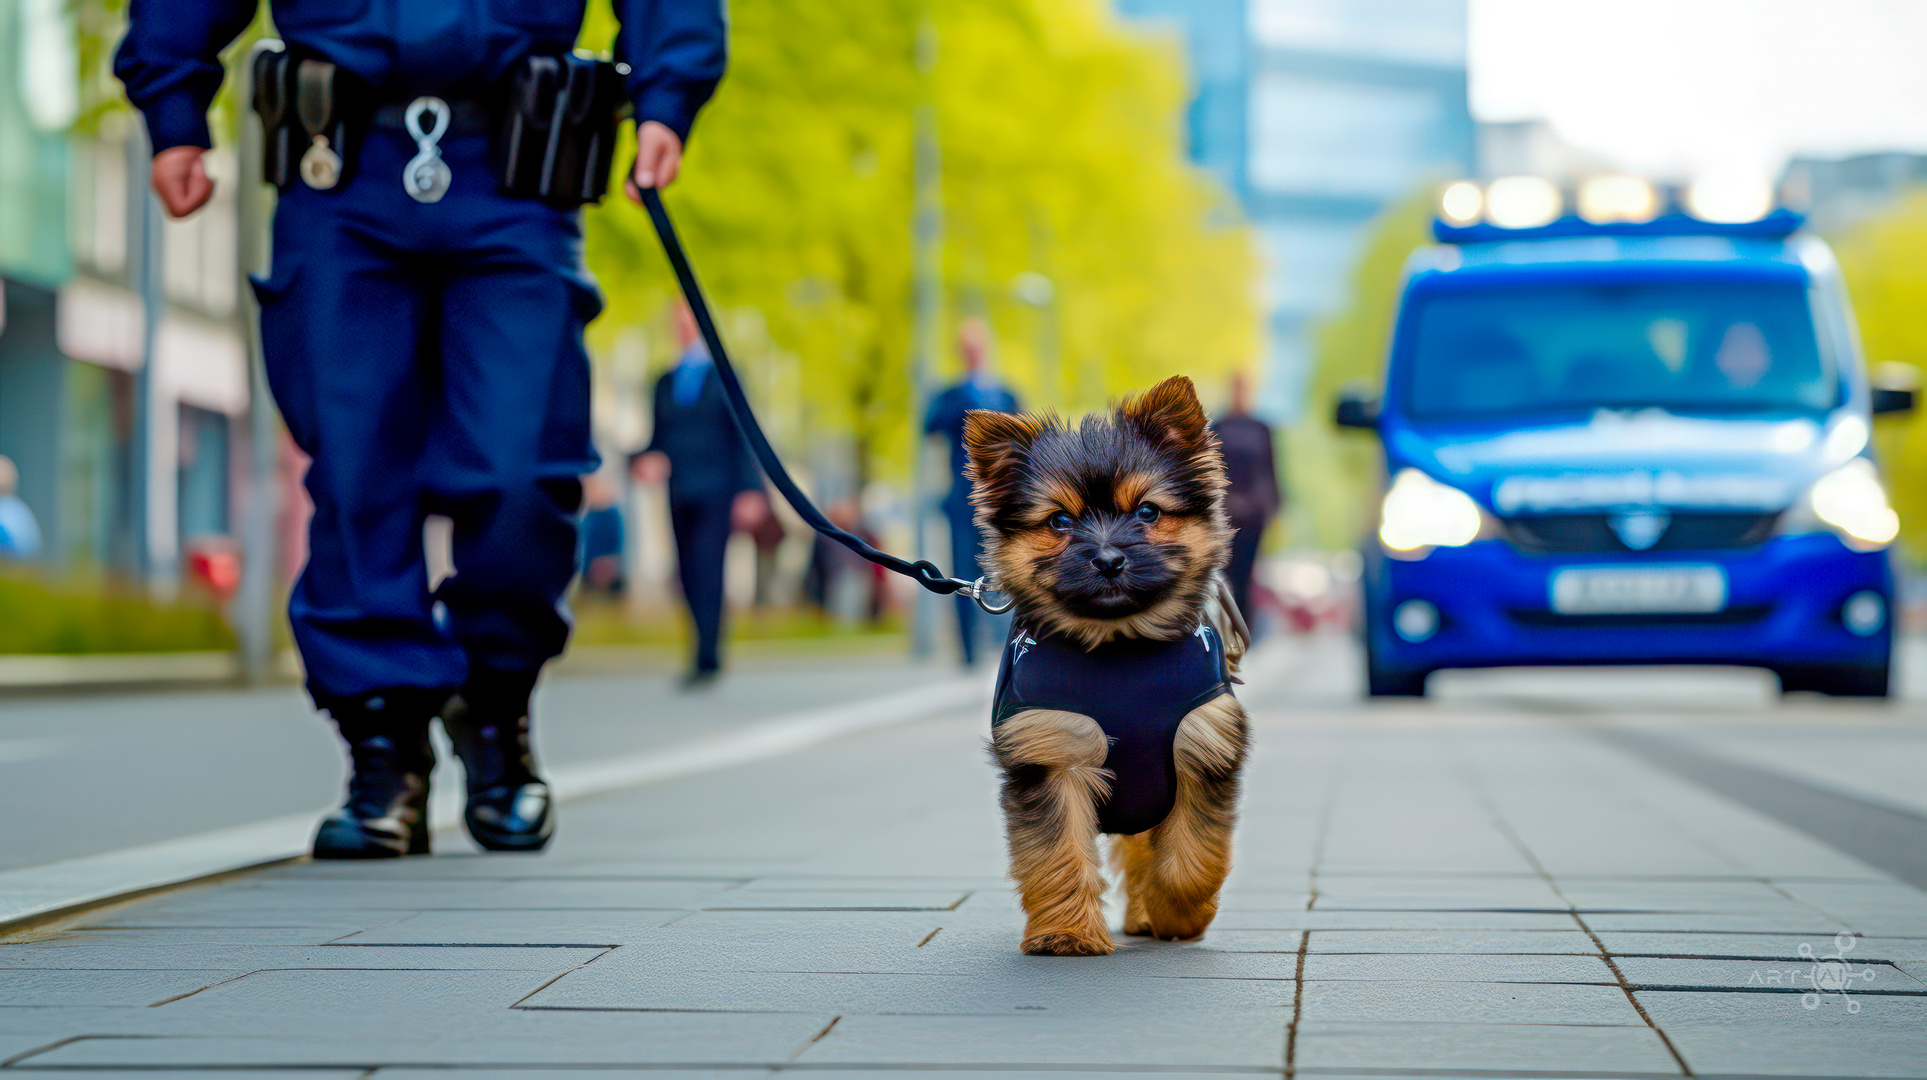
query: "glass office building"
1318, 114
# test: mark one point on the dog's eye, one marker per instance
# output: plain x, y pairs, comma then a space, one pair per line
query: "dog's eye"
1147, 513
1062, 522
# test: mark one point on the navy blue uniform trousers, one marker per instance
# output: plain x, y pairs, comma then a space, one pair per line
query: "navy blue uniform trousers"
976, 628
701, 525
429, 358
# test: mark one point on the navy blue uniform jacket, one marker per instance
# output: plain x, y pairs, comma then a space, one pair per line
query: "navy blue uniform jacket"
708, 457
171, 63
946, 418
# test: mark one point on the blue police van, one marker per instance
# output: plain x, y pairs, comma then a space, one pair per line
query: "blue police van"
1628, 442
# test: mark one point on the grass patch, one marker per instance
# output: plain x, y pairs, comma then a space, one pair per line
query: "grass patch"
100, 617
667, 625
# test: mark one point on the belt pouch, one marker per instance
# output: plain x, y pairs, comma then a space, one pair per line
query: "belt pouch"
559, 129
281, 142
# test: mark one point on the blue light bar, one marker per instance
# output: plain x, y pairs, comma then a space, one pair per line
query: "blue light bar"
1777, 225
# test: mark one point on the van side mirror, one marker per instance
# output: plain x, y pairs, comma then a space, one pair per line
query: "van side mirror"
1890, 399
1355, 410
1895, 386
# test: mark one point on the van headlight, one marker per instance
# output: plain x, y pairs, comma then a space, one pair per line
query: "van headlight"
1421, 513
1850, 502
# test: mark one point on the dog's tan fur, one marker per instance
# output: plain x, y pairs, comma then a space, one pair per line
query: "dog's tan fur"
1052, 828
1054, 778
1172, 873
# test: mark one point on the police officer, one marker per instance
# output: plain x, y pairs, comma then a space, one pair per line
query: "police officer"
423, 337
978, 390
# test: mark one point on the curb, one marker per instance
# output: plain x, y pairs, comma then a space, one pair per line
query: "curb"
57, 672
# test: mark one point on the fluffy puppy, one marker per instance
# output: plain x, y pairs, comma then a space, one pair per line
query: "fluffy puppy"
1114, 713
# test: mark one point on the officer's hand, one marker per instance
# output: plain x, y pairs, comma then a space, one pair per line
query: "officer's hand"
748, 510
180, 179
658, 158
650, 468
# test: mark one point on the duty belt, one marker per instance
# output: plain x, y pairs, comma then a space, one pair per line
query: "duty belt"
468, 116
553, 119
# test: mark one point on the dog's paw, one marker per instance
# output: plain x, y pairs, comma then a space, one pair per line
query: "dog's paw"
1137, 926
1062, 944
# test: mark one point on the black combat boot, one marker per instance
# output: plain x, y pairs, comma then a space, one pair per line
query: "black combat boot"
386, 814
509, 806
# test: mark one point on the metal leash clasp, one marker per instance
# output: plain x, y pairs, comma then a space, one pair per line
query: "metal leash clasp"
981, 588
426, 176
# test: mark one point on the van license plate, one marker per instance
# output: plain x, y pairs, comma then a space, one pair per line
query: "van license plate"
1628, 590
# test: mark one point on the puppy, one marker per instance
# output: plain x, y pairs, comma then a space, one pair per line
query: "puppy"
1114, 711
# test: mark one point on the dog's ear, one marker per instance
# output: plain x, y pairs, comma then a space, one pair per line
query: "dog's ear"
1169, 415
998, 444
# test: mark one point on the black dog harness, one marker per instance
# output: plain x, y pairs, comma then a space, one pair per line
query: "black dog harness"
1137, 689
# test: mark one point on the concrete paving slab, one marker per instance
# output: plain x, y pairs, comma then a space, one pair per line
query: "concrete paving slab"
40, 988
1775, 1035
1082, 1073
549, 1074
1457, 969
1465, 1003
1757, 946
1858, 974
840, 900
545, 927
1476, 942
1429, 1049
211, 1074
254, 958
1321, 919
1053, 985
1221, 1039
526, 1040
1796, 923
354, 995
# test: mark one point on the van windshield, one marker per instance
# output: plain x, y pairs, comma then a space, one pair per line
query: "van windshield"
1693, 348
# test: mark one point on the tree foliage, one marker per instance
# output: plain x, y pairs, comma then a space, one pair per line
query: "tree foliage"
1060, 143
1886, 271
1335, 473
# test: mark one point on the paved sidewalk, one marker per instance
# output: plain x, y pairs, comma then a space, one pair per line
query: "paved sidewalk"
1506, 882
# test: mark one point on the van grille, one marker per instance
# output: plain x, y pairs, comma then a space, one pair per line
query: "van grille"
1549, 533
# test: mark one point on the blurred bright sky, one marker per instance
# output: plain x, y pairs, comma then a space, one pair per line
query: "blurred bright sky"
1676, 88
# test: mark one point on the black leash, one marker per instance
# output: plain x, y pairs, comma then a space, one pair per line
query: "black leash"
925, 572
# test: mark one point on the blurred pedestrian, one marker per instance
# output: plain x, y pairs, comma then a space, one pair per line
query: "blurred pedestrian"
19, 531
715, 487
768, 534
602, 537
422, 326
840, 583
1254, 497
978, 390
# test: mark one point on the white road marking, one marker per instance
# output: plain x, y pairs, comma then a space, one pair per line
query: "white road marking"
37, 891
18, 750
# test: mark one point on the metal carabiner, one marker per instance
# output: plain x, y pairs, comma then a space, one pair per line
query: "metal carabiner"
982, 587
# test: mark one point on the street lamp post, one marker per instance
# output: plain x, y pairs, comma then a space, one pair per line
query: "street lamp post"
927, 229
253, 611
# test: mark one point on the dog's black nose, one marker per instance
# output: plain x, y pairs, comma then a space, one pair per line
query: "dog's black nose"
1109, 562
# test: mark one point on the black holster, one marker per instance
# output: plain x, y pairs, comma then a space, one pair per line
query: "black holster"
302, 99
558, 134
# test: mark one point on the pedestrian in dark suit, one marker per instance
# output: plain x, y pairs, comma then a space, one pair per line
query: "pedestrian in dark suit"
978, 390
715, 486
1253, 497
422, 330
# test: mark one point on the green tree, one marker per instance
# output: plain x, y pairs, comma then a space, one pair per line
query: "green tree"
1886, 272
1061, 155
1334, 473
